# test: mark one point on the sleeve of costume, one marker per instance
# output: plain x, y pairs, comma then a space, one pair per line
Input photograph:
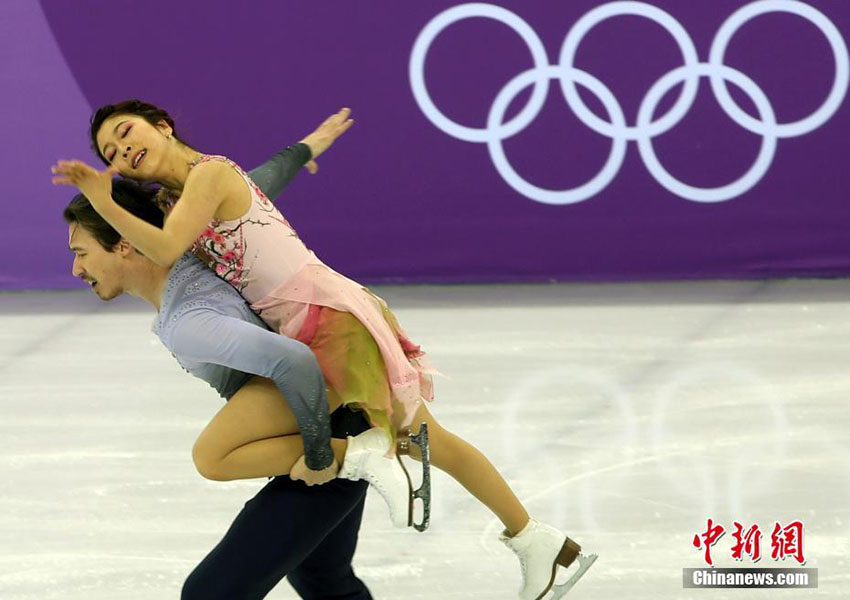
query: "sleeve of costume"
275, 174
210, 337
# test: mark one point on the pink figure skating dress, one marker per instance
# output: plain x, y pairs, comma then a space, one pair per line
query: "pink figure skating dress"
366, 358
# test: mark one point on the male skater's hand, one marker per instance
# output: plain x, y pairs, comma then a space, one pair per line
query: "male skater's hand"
311, 477
325, 135
312, 166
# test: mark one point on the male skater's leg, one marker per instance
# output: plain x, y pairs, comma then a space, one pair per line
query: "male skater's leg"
280, 527
326, 573
272, 534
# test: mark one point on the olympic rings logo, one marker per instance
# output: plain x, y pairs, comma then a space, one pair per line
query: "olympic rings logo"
647, 127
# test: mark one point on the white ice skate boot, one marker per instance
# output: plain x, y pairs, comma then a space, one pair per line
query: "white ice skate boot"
541, 549
366, 459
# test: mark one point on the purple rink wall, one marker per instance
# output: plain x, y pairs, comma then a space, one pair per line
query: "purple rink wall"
507, 141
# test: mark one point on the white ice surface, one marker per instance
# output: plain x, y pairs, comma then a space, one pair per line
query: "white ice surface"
626, 414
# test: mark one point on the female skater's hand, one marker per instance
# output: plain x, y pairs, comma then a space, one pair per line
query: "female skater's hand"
325, 135
311, 477
94, 185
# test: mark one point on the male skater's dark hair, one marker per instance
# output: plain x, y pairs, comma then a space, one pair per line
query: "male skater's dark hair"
131, 196
149, 112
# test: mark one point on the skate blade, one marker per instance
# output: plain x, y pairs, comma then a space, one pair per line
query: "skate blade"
409, 493
423, 492
584, 563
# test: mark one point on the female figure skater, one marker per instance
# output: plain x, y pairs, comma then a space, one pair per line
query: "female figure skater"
367, 360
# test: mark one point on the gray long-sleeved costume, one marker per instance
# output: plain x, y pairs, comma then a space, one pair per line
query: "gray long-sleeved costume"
212, 332
274, 175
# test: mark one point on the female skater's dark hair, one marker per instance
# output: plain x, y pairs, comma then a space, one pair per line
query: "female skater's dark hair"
130, 195
149, 112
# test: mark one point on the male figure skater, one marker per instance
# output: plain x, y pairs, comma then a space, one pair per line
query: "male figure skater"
308, 534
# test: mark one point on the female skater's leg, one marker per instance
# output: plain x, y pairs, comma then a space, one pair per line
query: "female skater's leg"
540, 548
472, 470
254, 435
355, 371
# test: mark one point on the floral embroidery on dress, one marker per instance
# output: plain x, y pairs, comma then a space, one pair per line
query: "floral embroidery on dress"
224, 251
222, 245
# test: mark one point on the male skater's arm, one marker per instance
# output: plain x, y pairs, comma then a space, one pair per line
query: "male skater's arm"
274, 175
207, 336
